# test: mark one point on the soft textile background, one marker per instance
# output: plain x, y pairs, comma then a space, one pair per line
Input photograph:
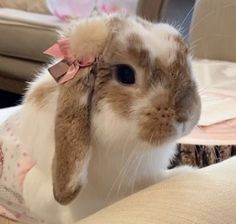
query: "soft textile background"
26, 5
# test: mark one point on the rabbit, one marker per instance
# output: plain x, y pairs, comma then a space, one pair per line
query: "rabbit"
111, 129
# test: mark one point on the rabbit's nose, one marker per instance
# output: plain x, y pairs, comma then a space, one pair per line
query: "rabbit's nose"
164, 112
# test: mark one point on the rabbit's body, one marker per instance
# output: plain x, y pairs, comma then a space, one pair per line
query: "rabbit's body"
100, 134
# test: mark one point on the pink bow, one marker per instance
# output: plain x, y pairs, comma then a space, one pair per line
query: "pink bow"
68, 67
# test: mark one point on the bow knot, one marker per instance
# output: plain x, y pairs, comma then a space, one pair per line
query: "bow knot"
69, 65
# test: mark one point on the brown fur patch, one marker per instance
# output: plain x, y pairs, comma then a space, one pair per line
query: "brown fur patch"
137, 51
185, 97
72, 134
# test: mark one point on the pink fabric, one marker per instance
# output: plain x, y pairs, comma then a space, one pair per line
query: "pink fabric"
109, 8
222, 133
14, 159
71, 8
68, 67
24, 165
66, 10
15, 163
4, 212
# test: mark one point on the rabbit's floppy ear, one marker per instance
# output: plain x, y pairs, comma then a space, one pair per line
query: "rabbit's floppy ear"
72, 122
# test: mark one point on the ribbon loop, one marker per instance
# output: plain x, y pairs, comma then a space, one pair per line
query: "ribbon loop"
68, 67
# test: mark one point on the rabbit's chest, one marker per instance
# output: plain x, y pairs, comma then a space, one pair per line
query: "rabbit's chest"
113, 176
111, 179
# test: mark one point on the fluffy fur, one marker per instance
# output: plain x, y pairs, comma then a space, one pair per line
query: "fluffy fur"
95, 140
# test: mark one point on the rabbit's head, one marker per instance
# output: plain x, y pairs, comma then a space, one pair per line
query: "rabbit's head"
139, 91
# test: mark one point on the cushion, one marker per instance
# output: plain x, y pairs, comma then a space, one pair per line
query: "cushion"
26, 35
38, 6
18, 69
206, 196
11, 85
213, 33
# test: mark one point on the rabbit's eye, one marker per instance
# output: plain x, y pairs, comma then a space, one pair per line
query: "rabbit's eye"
125, 74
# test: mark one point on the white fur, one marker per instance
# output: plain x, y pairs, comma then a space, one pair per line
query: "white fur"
37, 131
